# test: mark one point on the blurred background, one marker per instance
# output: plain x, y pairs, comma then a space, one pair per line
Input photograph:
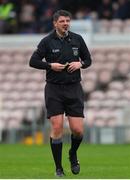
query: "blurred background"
105, 26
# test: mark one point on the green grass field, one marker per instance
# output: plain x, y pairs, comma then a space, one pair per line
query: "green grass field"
97, 162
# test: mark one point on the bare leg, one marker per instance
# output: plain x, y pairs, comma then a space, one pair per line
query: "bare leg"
76, 125
56, 126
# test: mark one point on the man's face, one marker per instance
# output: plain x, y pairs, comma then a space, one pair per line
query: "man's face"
62, 24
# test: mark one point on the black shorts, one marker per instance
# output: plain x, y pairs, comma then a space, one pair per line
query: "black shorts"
68, 99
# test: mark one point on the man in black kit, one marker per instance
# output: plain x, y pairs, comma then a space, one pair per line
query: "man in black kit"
65, 54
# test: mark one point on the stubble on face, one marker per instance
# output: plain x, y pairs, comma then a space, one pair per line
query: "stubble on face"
62, 25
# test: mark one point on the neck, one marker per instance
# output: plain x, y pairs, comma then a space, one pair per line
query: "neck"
61, 34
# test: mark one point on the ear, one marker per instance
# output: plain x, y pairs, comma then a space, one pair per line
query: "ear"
54, 23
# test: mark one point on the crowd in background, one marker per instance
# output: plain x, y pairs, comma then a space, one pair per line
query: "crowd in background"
35, 16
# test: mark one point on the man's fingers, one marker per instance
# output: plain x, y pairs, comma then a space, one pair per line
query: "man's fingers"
62, 66
71, 69
57, 66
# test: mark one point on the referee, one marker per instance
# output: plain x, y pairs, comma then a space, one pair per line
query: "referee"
62, 54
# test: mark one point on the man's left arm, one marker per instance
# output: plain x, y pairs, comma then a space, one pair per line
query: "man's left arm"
85, 56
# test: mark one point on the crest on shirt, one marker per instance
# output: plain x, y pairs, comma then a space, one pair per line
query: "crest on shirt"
75, 51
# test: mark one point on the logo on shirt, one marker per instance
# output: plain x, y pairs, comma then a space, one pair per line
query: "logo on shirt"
55, 50
75, 51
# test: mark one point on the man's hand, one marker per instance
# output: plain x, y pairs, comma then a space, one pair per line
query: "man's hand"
73, 66
57, 67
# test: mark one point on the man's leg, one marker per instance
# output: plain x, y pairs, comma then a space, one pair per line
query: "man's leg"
56, 142
76, 126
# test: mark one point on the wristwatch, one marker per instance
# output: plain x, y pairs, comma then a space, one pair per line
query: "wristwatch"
82, 62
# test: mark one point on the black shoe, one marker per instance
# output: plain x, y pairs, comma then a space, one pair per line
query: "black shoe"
60, 172
75, 166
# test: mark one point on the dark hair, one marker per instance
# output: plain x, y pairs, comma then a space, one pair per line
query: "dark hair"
59, 13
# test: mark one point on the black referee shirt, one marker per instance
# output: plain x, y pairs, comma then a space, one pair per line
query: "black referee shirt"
52, 49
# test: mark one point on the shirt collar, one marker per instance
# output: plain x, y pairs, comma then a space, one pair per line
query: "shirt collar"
55, 36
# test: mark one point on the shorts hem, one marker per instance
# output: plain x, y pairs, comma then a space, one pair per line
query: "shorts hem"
49, 116
75, 115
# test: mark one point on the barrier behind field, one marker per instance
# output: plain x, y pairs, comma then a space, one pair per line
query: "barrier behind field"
93, 135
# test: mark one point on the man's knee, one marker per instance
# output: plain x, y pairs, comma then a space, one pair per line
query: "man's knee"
78, 131
57, 126
76, 125
57, 129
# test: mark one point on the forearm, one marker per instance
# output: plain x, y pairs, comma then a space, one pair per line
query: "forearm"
86, 62
36, 62
84, 54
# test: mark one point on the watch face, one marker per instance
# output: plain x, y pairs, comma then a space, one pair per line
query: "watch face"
82, 62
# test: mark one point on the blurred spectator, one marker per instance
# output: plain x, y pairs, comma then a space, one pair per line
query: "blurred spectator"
123, 10
27, 19
105, 10
34, 16
45, 22
8, 23
82, 13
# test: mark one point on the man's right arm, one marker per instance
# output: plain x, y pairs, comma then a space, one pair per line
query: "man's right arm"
36, 60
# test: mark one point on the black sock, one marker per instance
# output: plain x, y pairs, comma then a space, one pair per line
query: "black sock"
56, 147
75, 142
